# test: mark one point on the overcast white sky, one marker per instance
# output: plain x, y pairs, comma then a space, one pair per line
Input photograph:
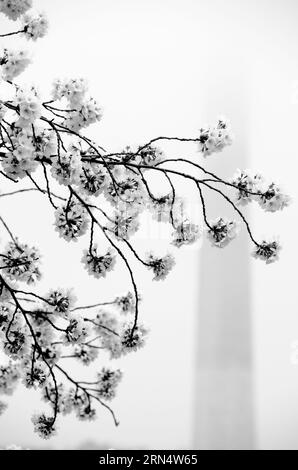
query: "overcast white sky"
152, 65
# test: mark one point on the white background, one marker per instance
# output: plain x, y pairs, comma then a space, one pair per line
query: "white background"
150, 65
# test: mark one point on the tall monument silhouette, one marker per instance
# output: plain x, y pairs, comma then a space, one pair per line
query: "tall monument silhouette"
224, 395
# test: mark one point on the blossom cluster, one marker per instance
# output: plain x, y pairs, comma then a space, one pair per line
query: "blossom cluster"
13, 63
74, 90
125, 222
222, 231
21, 262
254, 187
9, 375
61, 301
82, 110
87, 113
14, 9
126, 303
93, 179
145, 156
267, 250
67, 167
25, 149
29, 107
186, 233
160, 266
71, 221
213, 139
107, 382
35, 27
98, 265
119, 337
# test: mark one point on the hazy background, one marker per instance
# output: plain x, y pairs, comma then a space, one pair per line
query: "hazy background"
165, 68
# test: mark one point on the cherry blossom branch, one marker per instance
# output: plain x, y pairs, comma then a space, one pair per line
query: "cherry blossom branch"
24, 313
8, 230
12, 34
19, 191
43, 134
119, 252
99, 304
77, 384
